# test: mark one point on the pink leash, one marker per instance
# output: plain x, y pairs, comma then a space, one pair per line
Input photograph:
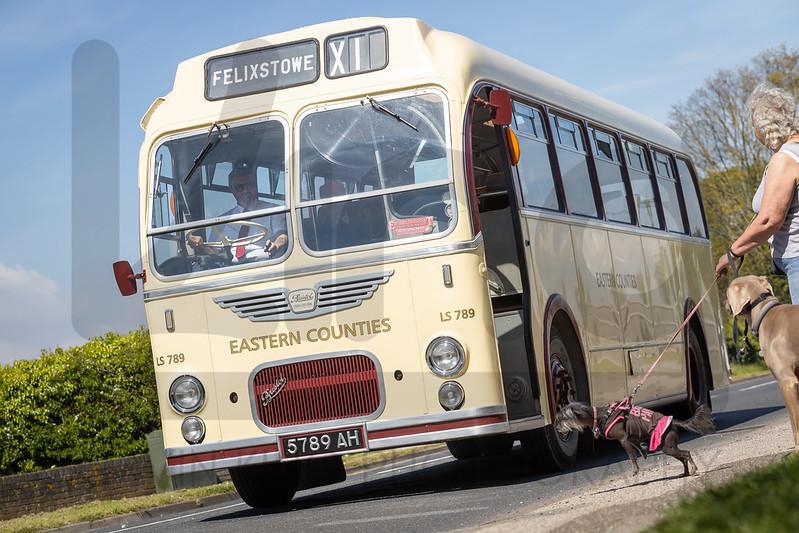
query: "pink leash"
682, 327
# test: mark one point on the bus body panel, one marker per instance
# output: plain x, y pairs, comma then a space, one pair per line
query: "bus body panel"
620, 328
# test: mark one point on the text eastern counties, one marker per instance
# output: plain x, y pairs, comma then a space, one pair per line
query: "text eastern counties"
275, 341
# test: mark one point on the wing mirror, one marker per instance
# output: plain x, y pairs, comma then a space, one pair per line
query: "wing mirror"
126, 279
499, 99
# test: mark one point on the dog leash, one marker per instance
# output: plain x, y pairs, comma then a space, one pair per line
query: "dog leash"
673, 337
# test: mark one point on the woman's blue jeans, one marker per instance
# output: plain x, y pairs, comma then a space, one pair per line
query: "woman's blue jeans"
791, 267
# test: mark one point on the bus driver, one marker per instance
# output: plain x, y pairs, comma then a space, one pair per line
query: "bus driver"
244, 186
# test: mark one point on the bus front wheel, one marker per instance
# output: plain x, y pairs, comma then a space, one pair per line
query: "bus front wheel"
267, 485
545, 446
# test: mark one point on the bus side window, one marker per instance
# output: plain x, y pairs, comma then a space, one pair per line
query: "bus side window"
693, 205
573, 162
611, 180
535, 171
669, 196
641, 182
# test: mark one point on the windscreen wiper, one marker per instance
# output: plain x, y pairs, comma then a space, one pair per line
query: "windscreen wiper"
383, 109
219, 134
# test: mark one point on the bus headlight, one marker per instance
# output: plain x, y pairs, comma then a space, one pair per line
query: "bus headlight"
193, 429
186, 394
451, 395
445, 357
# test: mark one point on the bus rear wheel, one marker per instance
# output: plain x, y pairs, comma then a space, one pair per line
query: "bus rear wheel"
545, 446
698, 389
267, 485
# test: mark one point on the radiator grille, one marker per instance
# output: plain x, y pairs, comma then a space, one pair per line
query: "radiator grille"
317, 390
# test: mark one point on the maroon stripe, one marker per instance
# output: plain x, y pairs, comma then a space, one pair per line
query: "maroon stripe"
436, 426
220, 454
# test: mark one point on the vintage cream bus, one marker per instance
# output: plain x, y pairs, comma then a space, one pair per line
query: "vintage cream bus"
369, 233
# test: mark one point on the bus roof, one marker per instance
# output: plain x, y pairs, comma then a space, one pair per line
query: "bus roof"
420, 54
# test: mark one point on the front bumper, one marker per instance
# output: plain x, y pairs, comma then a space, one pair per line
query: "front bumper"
380, 434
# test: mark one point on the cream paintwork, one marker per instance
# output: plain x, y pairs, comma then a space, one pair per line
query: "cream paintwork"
600, 312
633, 304
402, 348
421, 56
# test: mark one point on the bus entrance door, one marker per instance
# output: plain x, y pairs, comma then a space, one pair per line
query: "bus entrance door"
506, 273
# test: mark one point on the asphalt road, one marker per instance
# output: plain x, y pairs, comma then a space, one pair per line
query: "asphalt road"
438, 493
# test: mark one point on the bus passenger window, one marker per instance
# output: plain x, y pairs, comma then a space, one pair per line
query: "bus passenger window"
693, 206
641, 182
668, 192
573, 162
535, 171
611, 181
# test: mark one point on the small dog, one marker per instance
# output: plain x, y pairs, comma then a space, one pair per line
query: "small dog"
631, 425
775, 326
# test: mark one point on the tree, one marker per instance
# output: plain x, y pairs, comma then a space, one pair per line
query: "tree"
718, 132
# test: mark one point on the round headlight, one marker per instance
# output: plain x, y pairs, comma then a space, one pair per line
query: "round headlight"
186, 394
451, 395
445, 357
193, 429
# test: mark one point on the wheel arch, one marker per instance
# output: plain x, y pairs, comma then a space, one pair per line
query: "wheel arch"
695, 325
557, 313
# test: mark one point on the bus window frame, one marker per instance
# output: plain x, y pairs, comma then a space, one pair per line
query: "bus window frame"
554, 166
353, 101
625, 176
152, 232
676, 177
581, 122
695, 183
646, 147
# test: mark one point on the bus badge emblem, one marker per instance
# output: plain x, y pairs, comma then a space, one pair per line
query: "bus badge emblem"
302, 300
269, 395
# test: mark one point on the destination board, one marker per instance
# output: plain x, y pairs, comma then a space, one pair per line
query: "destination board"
262, 70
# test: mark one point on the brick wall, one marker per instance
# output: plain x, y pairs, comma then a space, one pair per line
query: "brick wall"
59, 487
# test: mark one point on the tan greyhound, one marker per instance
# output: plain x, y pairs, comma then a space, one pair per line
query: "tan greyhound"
777, 327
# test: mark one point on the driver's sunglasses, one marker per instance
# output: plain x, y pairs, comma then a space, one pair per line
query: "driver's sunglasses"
241, 187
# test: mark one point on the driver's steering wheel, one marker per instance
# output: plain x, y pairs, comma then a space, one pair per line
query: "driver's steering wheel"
438, 209
224, 242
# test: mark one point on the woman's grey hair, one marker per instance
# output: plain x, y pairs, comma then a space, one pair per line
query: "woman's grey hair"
773, 112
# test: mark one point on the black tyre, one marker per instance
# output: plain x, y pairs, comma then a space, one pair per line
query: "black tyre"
496, 444
268, 485
545, 447
464, 449
698, 383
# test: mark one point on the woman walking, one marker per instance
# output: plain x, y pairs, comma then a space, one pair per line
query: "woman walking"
776, 202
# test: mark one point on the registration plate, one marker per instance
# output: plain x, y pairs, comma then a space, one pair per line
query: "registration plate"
323, 443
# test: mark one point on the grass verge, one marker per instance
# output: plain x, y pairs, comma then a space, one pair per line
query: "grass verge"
764, 500
97, 510
102, 509
758, 368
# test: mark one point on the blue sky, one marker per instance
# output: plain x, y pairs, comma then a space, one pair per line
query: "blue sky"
645, 55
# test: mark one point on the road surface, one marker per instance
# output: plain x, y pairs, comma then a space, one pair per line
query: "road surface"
438, 493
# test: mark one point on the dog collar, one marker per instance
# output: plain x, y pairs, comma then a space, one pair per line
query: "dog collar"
594, 430
759, 320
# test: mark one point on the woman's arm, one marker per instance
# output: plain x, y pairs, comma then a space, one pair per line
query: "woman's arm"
781, 180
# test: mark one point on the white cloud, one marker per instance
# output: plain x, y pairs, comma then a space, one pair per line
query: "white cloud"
34, 314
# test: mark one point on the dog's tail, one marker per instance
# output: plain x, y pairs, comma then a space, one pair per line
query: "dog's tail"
701, 423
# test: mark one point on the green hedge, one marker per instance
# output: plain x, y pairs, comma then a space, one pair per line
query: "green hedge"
87, 403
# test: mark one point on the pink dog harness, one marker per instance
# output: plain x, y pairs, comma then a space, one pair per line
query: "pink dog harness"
640, 422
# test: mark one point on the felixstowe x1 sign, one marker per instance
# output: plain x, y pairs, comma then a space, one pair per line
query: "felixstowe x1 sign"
261, 70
